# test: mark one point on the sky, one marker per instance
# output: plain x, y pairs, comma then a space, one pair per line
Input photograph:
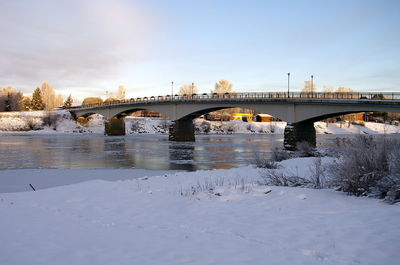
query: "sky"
88, 47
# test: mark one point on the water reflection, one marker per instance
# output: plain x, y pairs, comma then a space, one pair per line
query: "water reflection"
136, 151
181, 156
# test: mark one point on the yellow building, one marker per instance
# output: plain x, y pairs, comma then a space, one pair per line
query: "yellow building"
242, 117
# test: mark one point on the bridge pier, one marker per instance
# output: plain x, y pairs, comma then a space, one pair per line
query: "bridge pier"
299, 132
182, 130
114, 127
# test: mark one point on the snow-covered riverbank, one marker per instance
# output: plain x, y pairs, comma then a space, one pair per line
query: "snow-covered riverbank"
61, 122
203, 217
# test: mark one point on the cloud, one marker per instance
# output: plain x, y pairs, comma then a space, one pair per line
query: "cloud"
71, 42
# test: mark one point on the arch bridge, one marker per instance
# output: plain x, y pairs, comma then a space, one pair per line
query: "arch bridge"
299, 110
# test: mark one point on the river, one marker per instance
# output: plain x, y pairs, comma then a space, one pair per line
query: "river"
145, 151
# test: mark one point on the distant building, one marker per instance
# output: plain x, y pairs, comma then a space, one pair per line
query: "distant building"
264, 118
242, 116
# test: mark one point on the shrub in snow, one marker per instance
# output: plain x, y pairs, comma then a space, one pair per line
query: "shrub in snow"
206, 127
20, 123
393, 194
368, 167
146, 125
218, 186
164, 126
262, 129
52, 119
279, 154
236, 126
272, 127
262, 162
228, 127
305, 149
317, 170
251, 127
277, 178
207, 185
135, 126
33, 124
203, 127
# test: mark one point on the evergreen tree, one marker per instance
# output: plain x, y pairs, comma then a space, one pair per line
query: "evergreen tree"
37, 101
68, 102
8, 103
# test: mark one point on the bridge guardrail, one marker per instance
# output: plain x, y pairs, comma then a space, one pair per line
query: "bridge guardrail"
358, 96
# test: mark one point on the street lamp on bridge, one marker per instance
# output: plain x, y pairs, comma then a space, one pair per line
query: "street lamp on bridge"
172, 89
312, 84
288, 78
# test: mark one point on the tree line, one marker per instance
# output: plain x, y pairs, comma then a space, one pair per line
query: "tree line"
43, 98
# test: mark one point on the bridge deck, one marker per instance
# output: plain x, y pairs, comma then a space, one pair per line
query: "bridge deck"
344, 98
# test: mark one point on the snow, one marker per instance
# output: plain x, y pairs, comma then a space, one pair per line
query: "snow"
237, 126
346, 128
300, 166
17, 180
202, 217
134, 216
21, 121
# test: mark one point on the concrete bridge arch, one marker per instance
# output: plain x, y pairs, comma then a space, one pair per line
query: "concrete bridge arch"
300, 114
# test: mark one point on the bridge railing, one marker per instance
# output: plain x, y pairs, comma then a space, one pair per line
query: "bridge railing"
359, 96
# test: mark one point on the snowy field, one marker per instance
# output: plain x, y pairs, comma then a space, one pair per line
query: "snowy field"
203, 217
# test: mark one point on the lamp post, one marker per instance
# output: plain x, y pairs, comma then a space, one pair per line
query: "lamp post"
312, 86
312, 82
192, 88
172, 89
288, 78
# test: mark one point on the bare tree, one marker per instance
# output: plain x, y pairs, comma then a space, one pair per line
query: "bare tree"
121, 92
188, 89
328, 89
59, 100
49, 96
223, 86
344, 89
309, 87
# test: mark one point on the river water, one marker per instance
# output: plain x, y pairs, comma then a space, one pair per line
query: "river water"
145, 151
